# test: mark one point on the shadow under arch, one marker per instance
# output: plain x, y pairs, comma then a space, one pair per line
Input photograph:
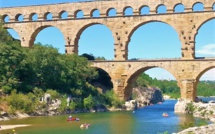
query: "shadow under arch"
85, 27
132, 77
38, 30
104, 81
135, 28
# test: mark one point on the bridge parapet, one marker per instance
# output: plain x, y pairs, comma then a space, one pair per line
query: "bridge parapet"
102, 6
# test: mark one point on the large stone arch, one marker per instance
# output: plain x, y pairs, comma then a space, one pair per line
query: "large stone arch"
133, 75
105, 72
201, 23
78, 31
38, 30
136, 26
207, 68
199, 26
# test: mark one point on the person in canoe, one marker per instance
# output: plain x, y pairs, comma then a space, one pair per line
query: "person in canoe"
165, 114
85, 125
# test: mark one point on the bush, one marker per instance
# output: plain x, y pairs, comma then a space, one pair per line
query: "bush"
113, 100
89, 102
190, 107
54, 94
20, 102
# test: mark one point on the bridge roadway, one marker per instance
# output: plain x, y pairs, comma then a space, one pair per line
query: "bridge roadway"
187, 73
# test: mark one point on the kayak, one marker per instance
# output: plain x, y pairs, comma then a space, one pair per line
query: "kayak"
73, 119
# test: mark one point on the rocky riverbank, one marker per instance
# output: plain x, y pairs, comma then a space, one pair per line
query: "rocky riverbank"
200, 110
144, 96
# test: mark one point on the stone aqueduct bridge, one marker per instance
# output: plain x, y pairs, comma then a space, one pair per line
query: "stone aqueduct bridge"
187, 70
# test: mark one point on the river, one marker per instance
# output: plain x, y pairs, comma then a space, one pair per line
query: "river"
147, 120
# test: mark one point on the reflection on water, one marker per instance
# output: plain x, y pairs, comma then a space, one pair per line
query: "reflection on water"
148, 120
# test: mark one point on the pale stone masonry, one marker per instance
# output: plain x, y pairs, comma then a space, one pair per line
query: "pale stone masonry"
187, 70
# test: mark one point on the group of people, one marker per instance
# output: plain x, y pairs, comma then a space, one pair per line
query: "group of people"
85, 125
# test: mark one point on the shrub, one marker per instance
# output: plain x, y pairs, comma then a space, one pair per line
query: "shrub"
20, 102
190, 107
89, 102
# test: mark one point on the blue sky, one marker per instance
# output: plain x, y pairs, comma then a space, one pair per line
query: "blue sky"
152, 40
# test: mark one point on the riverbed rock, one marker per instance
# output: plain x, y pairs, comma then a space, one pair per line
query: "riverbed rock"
147, 95
130, 105
208, 129
202, 110
181, 106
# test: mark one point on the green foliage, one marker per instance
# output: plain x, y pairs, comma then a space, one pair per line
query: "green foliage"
187, 125
167, 87
21, 102
190, 107
38, 92
112, 99
206, 88
211, 112
89, 102
54, 94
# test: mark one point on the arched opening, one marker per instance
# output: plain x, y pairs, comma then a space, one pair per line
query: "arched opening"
144, 10
103, 81
79, 14
152, 80
49, 35
205, 41
128, 11
214, 6
179, 8
95, 13
111, 12
48, 16
63, 15
89, 43
154, 40
6, 18
161, 9
206, 82
19, 17
33, 17
198, 7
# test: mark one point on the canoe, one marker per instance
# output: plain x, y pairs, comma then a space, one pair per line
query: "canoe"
73, 119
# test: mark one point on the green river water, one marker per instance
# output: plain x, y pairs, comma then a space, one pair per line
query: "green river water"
146, 120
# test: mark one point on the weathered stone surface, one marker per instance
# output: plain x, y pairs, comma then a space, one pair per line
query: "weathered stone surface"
186, 24
187, 78
180, 106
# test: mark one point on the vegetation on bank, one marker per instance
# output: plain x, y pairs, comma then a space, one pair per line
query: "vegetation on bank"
26, 74
169, 87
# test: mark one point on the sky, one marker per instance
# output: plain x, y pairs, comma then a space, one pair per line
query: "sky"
150, 41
